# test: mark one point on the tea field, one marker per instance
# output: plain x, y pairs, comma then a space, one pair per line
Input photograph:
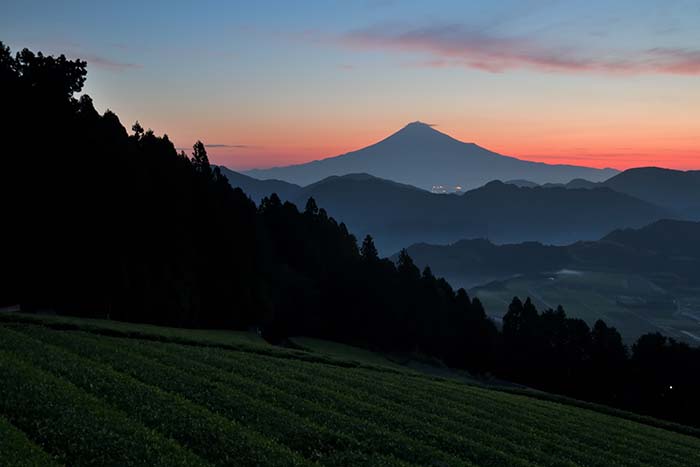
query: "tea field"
91, 396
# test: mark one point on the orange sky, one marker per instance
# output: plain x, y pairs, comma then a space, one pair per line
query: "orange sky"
601, 146
618, 122
596, 83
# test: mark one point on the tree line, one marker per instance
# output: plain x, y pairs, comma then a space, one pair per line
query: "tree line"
104, 222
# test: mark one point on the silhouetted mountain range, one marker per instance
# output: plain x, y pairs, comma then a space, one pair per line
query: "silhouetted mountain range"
638, 280
676, 190
575, 183
258, 189
524, 183
424, 157
673, 189
675, 240
397, 215
663, 247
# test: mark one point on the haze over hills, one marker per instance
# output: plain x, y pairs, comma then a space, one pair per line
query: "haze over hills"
664, 246
397, 215
639, 280
258, 189
424, 157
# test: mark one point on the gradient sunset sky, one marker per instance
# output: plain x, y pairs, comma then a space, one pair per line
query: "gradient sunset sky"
597, 83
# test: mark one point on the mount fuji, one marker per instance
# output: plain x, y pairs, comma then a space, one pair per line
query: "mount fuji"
421, 156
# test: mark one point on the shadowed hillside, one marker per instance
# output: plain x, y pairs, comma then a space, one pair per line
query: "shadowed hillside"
675, 190
397, 215
259, 189
639, 280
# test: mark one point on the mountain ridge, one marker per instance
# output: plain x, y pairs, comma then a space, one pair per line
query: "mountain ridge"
424, 157
673, 189
257, 189
397, 215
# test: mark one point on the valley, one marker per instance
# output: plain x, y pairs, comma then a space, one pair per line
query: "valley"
631, 303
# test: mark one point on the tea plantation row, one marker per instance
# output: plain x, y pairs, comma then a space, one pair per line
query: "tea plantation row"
70, 397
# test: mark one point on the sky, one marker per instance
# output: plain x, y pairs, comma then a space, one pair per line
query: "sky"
262, 83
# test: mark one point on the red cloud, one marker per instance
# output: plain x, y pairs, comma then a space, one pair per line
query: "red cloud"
456, 45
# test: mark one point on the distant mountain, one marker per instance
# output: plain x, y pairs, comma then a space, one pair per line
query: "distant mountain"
394, 214
578, 183
398, 215
522, 183
424, 157
674, 189
662, 246
638, 280
554, 215
574, 184
676, 240
468, 263
258, 189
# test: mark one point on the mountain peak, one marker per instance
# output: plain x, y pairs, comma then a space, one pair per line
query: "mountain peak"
419, 132
418, 126
418, 123
420, 155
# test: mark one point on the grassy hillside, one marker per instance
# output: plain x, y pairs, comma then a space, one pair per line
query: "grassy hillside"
344, 352
82, 397
120, 328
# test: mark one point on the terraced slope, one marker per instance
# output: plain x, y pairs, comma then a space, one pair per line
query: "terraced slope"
79, 398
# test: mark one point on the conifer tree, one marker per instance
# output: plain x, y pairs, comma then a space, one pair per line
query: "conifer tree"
368, 251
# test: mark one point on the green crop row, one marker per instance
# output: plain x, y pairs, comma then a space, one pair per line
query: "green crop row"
560, 434
209, 435
630, 435
318, 443
76, 428
16, 450
210, 402
632, 440
469, 422
228, 340
246, 342
394, 386
539, 433
474, 445
625, 439
372, 435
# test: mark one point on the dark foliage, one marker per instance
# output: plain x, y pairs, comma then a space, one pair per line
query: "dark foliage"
102, 223
660, 377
